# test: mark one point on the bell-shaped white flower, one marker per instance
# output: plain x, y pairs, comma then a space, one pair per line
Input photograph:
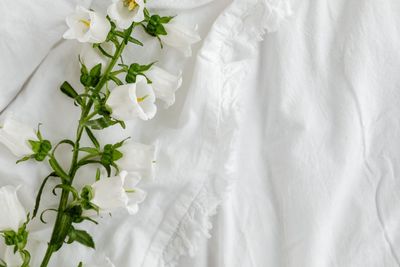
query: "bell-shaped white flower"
90, 56
139, 159
15, 136
12, 259
13, 214
180, 37
118, 192
125, 12
87, 26
135, 100
164, 84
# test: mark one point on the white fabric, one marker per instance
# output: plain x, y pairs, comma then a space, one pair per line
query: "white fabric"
299, 133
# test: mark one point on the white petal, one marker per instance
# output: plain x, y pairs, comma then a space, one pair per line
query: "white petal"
15, 135
122, 105
138, 158
124, 101
164, 84
12, 212
92, 56
95, 32
180, 37
12, 259
147, 107
122, 16
99, 28
109, 193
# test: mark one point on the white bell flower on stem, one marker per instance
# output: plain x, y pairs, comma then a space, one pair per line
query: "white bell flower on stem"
16, 135
118, 192
125, 12
134, 100
87, 26
139, 159
164, 84
13, 214
180, 37
12, 259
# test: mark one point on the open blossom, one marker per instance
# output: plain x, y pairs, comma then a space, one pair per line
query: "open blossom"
118, 192
134, 100
164, 84
15, 136
139, 159
125, 12
180, 37
13, 214
87, 26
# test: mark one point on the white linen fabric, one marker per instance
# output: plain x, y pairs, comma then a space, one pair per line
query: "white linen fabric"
297, 134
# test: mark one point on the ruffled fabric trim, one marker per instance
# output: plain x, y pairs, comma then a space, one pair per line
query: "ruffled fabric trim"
236, 32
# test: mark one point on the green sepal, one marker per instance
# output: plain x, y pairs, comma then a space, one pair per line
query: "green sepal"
24, 159
39, 195
80, 236
101, 123
75, 213
40, 149
135, 70
92, 137
90, 150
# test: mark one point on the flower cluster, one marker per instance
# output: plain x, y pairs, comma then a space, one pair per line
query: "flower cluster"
112, 93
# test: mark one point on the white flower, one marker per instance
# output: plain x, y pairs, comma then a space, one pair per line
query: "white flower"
15, 135
12, 259
90, 56
139, 159
87, 26
13, 214
125, 12
164, 84
133, 100
118, 192
180, 37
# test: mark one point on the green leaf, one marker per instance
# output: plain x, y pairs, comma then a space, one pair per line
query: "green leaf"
68, 90
66, 188
165, 20
80, 236
101, 123
39, 195
89, 150
3, 263
58, 170
35, 145
96, 70
80, 264
160, 30
24, 159
128, 33
26, 258
92, 137
116, 155
116, 80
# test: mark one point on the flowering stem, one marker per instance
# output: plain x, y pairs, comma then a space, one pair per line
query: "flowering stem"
63, 221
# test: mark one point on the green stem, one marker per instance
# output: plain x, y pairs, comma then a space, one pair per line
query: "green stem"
63, 222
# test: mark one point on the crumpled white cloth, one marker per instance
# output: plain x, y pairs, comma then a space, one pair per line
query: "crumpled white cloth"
297, 134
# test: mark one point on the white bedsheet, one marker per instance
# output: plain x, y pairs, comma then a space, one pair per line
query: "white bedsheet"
297, 135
